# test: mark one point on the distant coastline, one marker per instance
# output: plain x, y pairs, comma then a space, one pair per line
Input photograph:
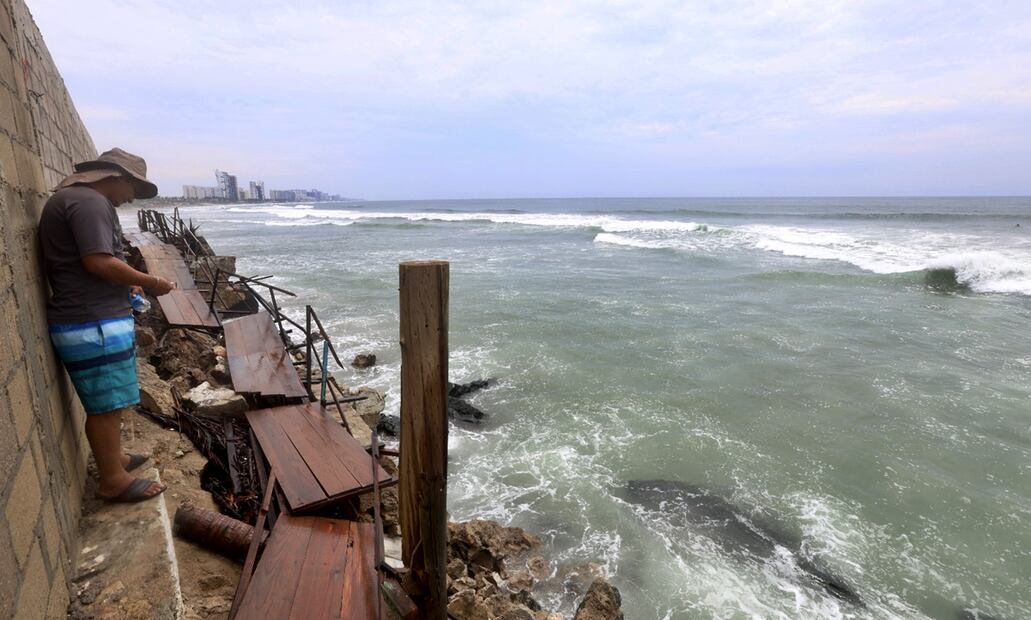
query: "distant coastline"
180, 201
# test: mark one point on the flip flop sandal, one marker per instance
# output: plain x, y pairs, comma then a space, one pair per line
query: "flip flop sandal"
135, 460
135, 492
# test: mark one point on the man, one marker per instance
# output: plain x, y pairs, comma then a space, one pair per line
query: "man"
89, 312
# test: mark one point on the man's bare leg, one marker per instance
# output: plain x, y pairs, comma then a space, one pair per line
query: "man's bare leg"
104, 433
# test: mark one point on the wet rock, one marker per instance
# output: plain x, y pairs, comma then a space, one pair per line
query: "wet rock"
458, 390
547, 615
155, 393
538, 567
370, 408
389, 425
214, 401
518, 613
602, 602
461, 411
521, 581
487, 544
364, 360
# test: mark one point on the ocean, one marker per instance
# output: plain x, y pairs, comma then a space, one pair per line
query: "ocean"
815, 390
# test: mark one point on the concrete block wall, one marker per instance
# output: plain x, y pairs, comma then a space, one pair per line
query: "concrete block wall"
43, 450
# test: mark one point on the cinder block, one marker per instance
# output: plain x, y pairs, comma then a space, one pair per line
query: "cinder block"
30, 170
8, 164
57, 608
23, 506
9, 69
10, 339
51, 534
10, 576
8, 122
20, 398
8, 443
35, 587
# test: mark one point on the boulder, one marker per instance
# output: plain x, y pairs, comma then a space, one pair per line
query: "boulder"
465, 605
602, 602
155, 393
364, 360
389, 425
518, 613
484, 545
181, 351
458, 390
461, 411
214, 402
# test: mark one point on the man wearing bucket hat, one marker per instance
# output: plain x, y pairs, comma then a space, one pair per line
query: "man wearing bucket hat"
89, 313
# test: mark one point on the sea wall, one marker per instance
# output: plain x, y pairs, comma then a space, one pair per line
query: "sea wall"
42, 447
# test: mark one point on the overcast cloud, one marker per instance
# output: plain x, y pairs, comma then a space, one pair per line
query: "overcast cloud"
488, 99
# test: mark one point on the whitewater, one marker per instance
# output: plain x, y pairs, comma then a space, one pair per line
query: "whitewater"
849, 376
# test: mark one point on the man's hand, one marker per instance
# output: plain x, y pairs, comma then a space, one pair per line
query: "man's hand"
111, 269
160, 287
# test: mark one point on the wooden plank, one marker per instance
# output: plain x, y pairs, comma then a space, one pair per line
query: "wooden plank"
275, 582
424, 428
341, 446
331, 560
254, 333
171, 310
317, 461
314, 567
361, 590
298, 483
252, 550
258, 361
318, 452
186, 309
200, 306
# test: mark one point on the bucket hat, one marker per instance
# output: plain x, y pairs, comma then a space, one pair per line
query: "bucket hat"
115, 162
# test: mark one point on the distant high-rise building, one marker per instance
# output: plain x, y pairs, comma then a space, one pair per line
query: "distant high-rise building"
257, 190
198, 192
227, 185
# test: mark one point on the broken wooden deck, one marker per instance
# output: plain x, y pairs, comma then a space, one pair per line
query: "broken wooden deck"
258, 361
317, 462
314, 567
188, 309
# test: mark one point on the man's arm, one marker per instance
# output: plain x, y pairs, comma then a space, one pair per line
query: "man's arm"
107, 267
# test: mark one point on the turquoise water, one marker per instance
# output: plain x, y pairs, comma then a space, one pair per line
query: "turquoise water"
857, 371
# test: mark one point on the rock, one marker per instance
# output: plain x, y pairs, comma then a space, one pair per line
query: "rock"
466, 606
458, 390
538, 567
214, 402
546, 615
364, 360
521, 581
485, 545
145, 342
518, 613
179, 352
219, 375
389, 425
456, 569
462, 411
144, 337
578, 578
155, 393
602, 602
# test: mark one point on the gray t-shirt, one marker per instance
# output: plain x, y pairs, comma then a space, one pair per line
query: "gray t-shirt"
78, 221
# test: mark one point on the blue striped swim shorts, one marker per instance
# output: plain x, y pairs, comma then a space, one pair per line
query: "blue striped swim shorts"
100, 357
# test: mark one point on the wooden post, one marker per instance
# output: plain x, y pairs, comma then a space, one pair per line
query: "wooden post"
424, 427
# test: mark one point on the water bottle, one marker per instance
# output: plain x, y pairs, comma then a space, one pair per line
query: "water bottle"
139, 303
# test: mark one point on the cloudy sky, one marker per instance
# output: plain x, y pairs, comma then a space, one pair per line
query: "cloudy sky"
509, 99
